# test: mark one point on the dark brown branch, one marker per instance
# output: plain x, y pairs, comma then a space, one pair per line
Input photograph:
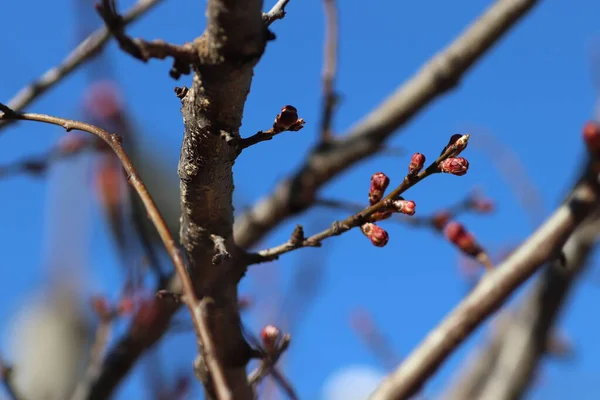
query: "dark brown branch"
184, 56
330, 97
89, 47
490, 293
435, 78
114, 142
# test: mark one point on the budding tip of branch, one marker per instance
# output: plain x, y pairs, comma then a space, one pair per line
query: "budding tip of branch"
379, 184
377, 235
455, 165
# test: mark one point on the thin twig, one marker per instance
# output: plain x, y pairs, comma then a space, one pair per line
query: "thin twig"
196, 308
268, 361
338, 227
330, 56
277, 12
94, 367
89, 47
490, 293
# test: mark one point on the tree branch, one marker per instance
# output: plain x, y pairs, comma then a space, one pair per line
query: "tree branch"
330, 97
435, 78
490, 293
196, 307
89, 47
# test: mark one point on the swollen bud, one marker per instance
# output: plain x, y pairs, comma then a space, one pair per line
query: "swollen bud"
591, 136
379, 183
270, 336
288, 120
455, 166
456, 233
417, 162
404, 206
457, 144
377, 235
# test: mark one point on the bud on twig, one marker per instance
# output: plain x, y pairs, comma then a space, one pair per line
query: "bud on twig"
417, 162
288, 120
455, 166
379, 183
591, 136
270, 337
381, 215
458, 143
404, 206
457, 234
377, 235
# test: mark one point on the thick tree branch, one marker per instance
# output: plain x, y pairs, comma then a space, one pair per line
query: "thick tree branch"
490, 293
325, 162
88, 48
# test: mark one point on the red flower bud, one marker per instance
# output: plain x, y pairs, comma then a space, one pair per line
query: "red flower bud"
270, 336
417, 162
456, 233
404, 206
126, 306
591, 136
455, 166
101, 307
482, 205
377, 235
379, 183
288, 120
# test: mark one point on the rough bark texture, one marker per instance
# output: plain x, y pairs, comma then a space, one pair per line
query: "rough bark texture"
212, 113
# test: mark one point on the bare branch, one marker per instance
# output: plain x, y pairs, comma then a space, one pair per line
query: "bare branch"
89, 47
184, 56
330, 98
114, 142
275, 13
435, 78
490, 293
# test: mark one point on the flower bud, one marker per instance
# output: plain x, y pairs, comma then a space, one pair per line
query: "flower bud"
377, 235
288, 120
591, 136
455, 166
381, 215
456, 233
101, 307
379, 183
404, 206
417, 162
270, 336
458, 142
482, 205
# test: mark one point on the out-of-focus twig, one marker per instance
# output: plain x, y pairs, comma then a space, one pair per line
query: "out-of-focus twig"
364, 325
83, 52
196, 308
329, 68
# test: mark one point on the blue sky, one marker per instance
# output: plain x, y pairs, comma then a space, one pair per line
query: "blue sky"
532, 92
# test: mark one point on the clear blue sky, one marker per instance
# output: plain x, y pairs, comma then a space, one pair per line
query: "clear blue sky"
532, 92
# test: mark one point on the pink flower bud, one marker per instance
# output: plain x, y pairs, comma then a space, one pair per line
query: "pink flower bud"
126, 306
417, 162
379, 183
288, 120
377, 235
455, 166
270, 335
591, 135
101, 307
482, 205
404, 206
456, 233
